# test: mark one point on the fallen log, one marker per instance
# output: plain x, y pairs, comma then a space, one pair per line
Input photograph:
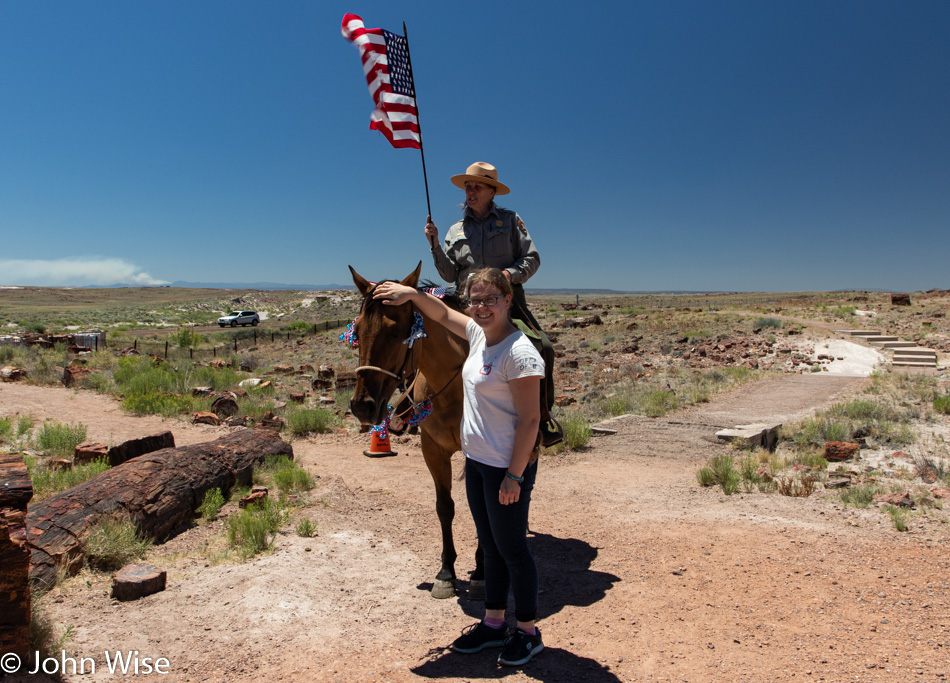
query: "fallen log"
159, 490
15, 492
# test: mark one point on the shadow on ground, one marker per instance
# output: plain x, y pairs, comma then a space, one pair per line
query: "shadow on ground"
566, 580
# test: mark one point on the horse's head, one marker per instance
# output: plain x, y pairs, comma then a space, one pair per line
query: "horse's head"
384, 358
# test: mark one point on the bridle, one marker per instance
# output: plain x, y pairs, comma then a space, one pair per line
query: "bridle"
404, 390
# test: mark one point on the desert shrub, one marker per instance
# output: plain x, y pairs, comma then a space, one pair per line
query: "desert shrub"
219, 379
859, 496
24, 425
286, 474
32, 326
764, 323
898, 516
797, 487
658, 403
254, 528
6, 429
720, 470
300, 326
619, 404
306, 528
844, 311
113, 542
6, 354
158, 404
47, 481
302, 421
942, 404
211, 504
186, 337
577, 431
58, 439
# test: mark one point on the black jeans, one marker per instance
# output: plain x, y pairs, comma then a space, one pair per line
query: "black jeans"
502, 534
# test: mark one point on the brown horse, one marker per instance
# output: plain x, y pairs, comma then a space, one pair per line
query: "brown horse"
386, 362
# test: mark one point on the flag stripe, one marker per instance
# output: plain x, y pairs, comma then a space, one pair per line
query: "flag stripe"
385, 58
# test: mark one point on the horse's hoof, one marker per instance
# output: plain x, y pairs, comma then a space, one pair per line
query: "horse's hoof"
476, 590
443, 589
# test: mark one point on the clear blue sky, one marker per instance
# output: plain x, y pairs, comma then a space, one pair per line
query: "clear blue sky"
683, 145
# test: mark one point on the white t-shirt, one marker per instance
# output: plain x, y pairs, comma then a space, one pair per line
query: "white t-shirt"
489, 417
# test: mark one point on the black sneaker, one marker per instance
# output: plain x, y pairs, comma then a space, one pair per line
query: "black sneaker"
477, 637
551, 433
520, 647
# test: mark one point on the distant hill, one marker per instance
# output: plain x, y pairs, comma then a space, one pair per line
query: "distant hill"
257, 285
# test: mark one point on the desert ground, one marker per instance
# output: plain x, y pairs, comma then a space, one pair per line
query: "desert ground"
645, 576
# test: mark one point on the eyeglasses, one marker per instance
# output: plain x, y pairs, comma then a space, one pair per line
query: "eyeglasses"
487, 301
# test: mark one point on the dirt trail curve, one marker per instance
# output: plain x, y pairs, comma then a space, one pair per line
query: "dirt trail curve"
645, 576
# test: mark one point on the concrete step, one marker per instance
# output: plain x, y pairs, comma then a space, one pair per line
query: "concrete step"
916, 351
861, 333
915, 363
880, 339
898, 345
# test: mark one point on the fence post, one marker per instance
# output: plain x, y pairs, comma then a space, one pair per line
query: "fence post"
191, 353
235, 343
166, 350
315, 328
135, 344
214, 351
255, 336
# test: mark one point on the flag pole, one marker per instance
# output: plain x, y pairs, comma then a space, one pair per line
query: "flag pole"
425, 178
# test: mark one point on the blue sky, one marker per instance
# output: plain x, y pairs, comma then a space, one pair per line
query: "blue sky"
682, 145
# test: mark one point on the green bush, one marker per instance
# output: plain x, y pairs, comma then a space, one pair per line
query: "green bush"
765, 323
658, 403
113, 542
898, 516
300, 326
720, 470
942, 404
60, 440
48, 481
306, 528
253, 530
306, 420
860, 496
577, 432
6, 429
287, 475
211, 504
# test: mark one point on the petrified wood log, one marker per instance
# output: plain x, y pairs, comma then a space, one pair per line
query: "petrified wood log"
160, 491
15, 492
137, 580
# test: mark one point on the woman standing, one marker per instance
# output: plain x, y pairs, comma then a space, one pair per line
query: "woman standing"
501, 383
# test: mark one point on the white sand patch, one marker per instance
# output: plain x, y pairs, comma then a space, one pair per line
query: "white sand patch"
856, 360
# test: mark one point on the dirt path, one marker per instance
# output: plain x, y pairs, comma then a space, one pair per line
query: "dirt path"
645, 576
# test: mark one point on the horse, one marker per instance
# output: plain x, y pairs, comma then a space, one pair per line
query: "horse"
387, 360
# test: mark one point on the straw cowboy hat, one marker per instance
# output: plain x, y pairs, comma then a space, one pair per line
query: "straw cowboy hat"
481, 172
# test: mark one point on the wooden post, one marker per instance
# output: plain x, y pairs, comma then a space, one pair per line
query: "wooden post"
135, 344
166, 349
235, 342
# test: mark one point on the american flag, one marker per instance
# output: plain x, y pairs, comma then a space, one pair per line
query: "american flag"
385, 58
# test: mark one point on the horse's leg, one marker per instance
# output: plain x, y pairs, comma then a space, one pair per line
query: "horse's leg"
439, 462
476, 586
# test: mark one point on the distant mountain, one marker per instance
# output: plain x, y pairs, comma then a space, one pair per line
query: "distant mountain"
257, 285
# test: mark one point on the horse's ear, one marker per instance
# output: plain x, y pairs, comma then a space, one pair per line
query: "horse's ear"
413, 278
362, 283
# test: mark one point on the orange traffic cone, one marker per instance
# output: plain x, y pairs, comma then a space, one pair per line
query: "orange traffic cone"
379, 446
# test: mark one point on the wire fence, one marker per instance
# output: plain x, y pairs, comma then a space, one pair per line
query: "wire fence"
239, 339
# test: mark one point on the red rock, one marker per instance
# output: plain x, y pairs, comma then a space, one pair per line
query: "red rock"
297, 396
257, 495
901, 499
90, 451
564, 400
840, 450
205, 418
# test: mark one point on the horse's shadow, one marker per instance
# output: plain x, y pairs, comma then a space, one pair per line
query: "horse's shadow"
566, 579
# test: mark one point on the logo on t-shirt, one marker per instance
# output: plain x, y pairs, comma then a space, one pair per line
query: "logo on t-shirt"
486, 369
